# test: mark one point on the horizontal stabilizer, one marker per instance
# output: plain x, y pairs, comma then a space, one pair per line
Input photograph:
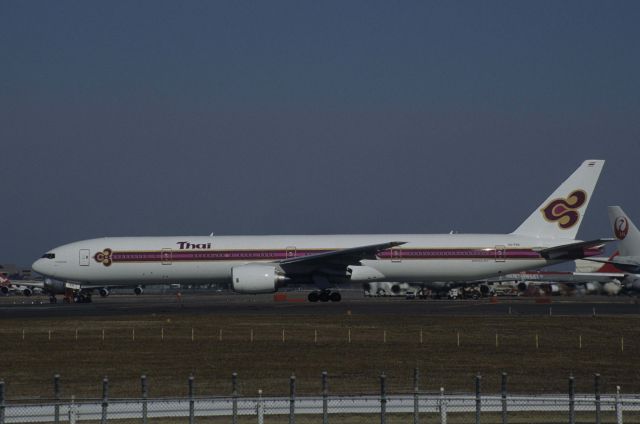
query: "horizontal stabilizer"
572, 251
625, 264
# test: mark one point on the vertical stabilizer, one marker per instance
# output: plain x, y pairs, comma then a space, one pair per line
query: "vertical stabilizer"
625, 231
561, 214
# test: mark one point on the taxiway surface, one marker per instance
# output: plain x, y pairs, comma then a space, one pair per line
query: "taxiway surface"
354, 303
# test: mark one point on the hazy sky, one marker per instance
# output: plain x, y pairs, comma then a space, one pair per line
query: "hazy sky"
245, 117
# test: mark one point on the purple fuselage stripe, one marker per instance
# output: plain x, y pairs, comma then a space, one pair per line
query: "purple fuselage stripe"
276, 255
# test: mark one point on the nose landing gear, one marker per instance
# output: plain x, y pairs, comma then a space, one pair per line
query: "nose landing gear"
324, 296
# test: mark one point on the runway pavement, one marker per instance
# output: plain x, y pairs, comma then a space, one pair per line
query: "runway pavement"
296, 304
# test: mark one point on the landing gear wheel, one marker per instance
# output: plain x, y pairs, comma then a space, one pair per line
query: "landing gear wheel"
82, 298
53, 299
324, 296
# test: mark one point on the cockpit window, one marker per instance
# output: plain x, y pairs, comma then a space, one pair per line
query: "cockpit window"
49, 256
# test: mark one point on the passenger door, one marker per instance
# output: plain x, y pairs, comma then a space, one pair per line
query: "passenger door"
396, 255
501, 254
85, 254
166, 256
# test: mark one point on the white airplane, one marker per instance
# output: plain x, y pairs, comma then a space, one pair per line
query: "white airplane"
626, 259
26, 287
5, 285
606, 279
621, 271
73, 292
262, 264
628, 236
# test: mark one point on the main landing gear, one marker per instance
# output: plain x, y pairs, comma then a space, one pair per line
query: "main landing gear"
324, 296
82, 298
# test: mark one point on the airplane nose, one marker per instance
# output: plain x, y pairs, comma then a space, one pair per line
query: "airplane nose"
39, 266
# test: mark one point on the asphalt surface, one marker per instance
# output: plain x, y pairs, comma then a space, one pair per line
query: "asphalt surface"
296, 304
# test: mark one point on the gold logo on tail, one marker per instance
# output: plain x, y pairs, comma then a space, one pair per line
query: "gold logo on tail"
564, 211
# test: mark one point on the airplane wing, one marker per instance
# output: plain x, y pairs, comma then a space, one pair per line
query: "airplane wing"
337, 260
572, 250
28, 283
600, 277
558, 277
625, 264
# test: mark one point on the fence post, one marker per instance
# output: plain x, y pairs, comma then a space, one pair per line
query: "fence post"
478, 403
383, 398
191, 401
260, 408
73, 411
56, 398
443, 407
503, 389
2, 405
105, 400
596, 389
234, 398
145, 395
416, 403
572, 400
325, 398
618, 406
292, 399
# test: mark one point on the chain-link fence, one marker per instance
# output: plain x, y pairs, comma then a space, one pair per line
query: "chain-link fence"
383, 407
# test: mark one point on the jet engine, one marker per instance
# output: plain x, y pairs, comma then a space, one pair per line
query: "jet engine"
613, 287
27, 291
138, 290
631, 283
104, 292
256, 278
4, 289
54, 286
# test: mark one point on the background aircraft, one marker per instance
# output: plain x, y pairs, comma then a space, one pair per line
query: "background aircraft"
628, 238
73, 292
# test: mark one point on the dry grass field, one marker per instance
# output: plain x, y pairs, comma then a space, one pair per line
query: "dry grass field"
162, 348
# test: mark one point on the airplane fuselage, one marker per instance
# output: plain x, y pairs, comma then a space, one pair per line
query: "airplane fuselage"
446, 257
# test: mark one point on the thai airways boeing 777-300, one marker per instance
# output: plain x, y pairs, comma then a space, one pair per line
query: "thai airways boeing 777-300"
262, 264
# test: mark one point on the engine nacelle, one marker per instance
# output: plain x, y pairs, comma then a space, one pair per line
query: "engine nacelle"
4, 289
27, 291
256, 278
104, 292
632, 283
612, 288
364, 273
54, 286
138, 290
